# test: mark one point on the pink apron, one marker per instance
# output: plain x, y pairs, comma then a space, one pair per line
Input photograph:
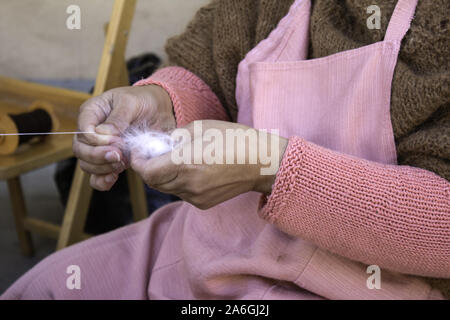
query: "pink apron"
228, 252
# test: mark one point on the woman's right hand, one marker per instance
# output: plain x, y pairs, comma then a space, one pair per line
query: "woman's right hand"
107, 116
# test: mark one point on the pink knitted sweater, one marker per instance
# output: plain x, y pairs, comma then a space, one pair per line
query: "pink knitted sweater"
398, 216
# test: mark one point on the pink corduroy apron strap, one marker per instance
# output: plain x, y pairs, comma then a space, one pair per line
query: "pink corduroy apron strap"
401, 20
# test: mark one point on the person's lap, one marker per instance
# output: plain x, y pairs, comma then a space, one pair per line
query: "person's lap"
180, 252
112, 266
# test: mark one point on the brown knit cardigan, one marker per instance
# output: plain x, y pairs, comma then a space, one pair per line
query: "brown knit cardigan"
224, 31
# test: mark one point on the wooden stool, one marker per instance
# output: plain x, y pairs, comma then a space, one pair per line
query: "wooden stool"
16, 95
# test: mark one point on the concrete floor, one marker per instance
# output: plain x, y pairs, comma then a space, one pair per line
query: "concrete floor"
42, 202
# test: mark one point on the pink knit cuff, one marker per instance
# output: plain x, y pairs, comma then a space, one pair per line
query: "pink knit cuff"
272, 206
397, 217
192, 98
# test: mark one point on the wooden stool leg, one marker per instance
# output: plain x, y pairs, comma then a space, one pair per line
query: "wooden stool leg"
76, 211
137, 196
20, 213
110, 75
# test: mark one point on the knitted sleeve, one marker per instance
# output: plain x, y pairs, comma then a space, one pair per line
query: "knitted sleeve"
194, 51
396, 217
192, 99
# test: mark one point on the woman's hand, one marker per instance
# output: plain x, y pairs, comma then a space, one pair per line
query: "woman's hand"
107, 117
186, 173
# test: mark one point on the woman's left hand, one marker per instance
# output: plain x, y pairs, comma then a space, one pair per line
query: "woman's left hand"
191, 173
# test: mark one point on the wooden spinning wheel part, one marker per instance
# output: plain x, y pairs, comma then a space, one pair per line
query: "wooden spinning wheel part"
9, 144
44, 105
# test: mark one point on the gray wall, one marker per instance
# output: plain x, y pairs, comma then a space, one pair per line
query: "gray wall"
35, 42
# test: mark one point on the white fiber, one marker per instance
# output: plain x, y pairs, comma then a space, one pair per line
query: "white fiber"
147, 144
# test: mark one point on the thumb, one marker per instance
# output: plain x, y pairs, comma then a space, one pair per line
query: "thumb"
122, 115
156, 171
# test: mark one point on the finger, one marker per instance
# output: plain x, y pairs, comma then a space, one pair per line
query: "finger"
102, 169
94, 112
157, 171
97, 155
123, 113
103, 182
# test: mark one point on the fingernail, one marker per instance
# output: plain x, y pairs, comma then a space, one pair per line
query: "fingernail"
109, 178
112, 156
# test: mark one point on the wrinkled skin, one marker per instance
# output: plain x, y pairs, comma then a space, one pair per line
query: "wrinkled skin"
108, 116
203, 185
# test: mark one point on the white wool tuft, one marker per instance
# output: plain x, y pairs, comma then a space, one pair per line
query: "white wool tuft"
147, 144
